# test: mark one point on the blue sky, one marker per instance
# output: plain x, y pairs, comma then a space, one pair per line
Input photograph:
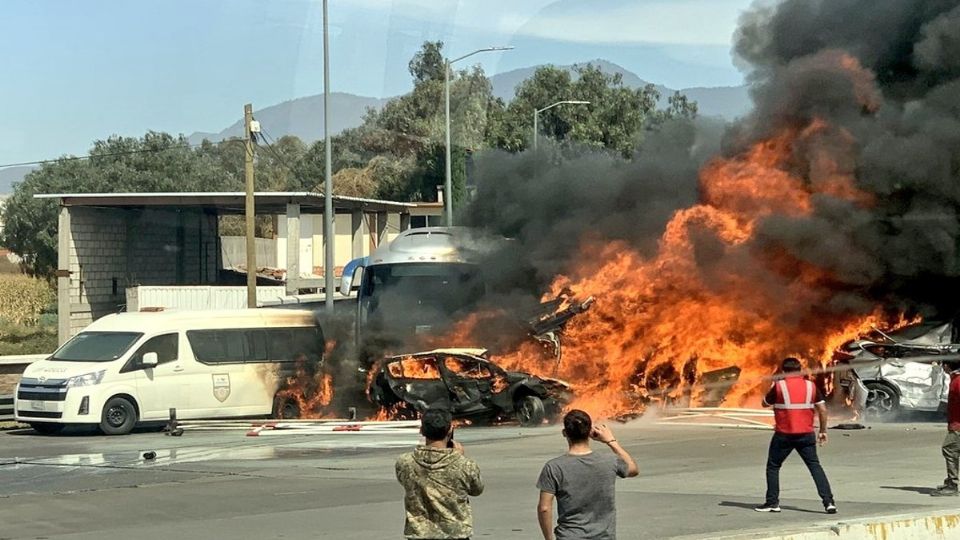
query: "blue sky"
79, 70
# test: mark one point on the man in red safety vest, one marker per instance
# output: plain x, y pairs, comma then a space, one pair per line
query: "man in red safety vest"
795, 402
951, 444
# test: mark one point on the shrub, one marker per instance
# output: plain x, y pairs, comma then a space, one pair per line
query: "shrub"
23, 299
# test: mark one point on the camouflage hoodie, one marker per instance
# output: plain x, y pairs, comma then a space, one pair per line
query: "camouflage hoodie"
437, 482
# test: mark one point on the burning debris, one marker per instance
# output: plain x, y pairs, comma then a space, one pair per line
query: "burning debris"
835, 198
717, 251
547, 326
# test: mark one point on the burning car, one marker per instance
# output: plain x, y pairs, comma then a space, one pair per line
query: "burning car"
468, 384
906, 369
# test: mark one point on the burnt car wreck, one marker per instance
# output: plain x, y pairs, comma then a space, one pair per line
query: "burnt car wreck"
468, 384
907, 369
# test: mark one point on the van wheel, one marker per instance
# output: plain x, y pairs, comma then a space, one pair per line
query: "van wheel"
46, 428
530, 411
286, 409
118, 417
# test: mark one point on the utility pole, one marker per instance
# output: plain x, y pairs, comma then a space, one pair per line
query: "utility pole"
250, 211
329, 223
447, 168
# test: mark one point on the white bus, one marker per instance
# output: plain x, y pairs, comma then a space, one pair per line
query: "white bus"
419, 282
129, 368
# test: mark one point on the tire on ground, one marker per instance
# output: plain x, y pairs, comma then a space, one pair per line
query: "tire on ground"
119, 416
529, 410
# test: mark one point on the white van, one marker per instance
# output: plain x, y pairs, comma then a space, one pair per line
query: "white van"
134, 367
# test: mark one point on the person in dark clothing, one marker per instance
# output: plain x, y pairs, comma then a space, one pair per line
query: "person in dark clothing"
951, 444
795, 401
582, 482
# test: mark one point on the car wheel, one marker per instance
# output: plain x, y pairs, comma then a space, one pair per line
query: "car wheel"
119, 416
529, 411
46, 428
883, 403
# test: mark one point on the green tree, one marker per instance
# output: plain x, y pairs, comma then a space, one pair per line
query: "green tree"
428, 63
155, 162
615, 118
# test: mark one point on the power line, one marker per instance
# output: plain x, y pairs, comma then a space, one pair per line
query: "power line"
113, 154
269, 146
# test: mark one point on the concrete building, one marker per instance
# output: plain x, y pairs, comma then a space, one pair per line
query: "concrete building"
109, 242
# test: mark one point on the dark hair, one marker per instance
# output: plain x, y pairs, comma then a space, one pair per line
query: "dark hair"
577, 425
790, 365
435, 424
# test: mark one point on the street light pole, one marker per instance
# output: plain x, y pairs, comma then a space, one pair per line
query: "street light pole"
537, 112
448, 175
329, 234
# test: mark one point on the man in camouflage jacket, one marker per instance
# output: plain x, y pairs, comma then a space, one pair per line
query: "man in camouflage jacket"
438, 478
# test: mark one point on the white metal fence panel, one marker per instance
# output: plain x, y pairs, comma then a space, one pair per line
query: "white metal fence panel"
195, 298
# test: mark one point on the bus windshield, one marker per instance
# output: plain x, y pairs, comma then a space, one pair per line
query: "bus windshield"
408, 298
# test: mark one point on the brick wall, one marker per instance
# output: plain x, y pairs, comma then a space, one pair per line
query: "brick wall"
113, 249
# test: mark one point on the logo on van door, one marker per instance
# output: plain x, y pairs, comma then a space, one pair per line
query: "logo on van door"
221, 386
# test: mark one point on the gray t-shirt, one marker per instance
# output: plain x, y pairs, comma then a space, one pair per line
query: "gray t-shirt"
584, 488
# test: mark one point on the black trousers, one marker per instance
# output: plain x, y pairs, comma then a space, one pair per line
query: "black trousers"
806, 445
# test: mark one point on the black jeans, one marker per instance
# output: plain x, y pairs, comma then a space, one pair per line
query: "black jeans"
806, 445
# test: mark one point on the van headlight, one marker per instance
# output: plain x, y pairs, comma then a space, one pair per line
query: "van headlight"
87, 379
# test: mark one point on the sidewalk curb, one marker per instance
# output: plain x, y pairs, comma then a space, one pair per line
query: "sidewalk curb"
941, 524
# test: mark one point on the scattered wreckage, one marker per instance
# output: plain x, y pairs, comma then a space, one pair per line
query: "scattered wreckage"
467, 383
546, 325
906, 369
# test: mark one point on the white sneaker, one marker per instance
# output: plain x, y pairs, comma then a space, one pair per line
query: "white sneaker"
775, 508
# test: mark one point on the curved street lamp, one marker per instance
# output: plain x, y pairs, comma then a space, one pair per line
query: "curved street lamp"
537, 112
448, 182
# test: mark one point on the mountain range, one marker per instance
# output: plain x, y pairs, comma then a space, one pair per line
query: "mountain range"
303, 117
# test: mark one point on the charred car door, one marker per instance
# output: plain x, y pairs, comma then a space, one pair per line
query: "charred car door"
420, 383
469, 381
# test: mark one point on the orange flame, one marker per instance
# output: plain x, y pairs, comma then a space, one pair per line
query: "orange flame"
707, 299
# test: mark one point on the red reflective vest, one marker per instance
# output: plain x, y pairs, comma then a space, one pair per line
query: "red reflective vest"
793, 409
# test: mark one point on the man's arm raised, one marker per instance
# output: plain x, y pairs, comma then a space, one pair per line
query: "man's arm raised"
604, 434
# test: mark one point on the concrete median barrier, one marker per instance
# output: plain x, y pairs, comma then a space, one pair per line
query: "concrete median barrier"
919, 526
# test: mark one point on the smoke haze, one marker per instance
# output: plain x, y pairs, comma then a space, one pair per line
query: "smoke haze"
871, 91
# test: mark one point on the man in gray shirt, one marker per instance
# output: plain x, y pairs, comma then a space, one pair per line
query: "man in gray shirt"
582, 482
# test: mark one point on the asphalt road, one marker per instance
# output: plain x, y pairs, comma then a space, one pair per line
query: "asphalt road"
693, 481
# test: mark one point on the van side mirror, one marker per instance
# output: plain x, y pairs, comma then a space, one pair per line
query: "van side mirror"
149, 359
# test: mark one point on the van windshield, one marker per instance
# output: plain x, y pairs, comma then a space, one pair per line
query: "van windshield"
96, 346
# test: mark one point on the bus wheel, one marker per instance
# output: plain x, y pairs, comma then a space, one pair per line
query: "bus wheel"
46, 428
118, 417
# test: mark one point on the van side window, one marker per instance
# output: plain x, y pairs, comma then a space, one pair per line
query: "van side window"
165, 346
222, 346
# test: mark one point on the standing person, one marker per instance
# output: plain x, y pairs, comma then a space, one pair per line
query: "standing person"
951, 444
795, 400
438, 478
583, 483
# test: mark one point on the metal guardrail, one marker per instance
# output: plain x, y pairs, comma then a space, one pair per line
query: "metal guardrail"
22, 359
6, 408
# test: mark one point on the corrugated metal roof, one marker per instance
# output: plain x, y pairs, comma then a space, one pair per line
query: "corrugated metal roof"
229, 202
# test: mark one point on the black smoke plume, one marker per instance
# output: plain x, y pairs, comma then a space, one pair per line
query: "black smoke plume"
884, 76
